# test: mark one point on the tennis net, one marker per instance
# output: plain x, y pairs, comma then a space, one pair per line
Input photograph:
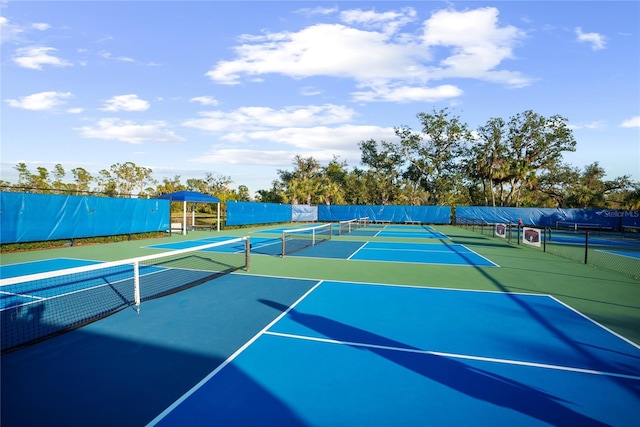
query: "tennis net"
300, 238
38, 306
347, 226
580, 226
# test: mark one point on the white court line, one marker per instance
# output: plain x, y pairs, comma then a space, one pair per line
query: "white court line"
229, 359
485, 258
458, 356
359, 249
13, 294
417, 250
594, 322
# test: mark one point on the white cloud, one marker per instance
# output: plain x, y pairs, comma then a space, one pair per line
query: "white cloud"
323, 143
264, 117
310, 91
204, 100
597, 41
389, 22
338, 139
75, 110
370, 49
408, 94
317, 11
245, 157
34, 57
129, 102
108, 55
40, 26
106, 38
320, 131
477, 44
324, 49
597, 125
12, 32
40, 101
9, 32
633, 122
128, 131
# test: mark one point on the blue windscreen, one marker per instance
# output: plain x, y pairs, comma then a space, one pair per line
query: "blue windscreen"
548, 217
394, 214
242, 213
39, 217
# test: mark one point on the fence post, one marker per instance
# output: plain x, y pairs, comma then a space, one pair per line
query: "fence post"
586, 247
247, 256
136, 285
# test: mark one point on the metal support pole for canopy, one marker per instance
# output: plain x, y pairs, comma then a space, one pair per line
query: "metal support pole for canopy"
218, 216
184, 218
170, 228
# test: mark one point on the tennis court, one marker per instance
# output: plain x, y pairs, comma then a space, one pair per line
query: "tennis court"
352, 228
348, 330
381, 251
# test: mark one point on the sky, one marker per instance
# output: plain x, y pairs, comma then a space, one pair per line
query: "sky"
238, 88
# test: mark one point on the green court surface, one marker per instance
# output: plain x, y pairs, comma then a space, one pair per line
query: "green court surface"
128, 368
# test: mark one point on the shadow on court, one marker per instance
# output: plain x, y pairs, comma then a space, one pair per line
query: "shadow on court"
476, 383
127, 368
579, 347
87, 379
104, 381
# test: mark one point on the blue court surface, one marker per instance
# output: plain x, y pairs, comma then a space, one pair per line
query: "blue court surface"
43, 266
423, 356
423, 253
409, 232
433, 253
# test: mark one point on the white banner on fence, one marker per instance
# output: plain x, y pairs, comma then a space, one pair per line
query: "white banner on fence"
304, 213
501, 230
531, 236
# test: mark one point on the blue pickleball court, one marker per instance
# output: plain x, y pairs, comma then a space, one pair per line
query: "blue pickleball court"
379, 251
421, 357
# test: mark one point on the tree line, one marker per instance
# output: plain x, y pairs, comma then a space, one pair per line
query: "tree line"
513, 162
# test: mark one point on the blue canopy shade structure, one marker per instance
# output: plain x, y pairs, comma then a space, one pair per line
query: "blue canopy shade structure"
193, 197
190, 196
